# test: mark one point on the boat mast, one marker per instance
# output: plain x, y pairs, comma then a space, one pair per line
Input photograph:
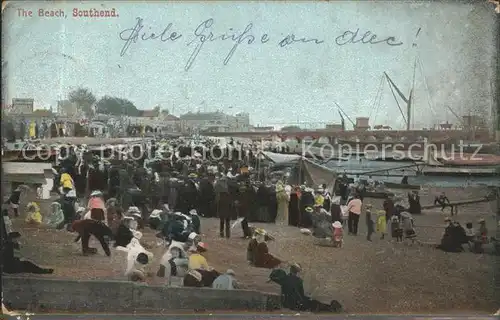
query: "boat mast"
346, 115
410, 100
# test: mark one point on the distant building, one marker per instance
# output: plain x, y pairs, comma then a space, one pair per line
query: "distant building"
445, 126
22, 106
291, 129
474, 122
334, 127
214, 122
66, 108
156, 119
261, 129
145, 118
382, 127
362, 123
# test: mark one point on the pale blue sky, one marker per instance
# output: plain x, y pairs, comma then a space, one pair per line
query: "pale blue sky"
275, 85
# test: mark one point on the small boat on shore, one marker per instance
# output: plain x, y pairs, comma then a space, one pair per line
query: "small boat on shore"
471, 160
378, 194
393, 185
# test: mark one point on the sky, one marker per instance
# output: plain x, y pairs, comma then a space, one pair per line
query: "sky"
45, 58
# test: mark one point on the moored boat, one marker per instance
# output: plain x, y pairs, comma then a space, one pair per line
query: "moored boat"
378, 194
394, 185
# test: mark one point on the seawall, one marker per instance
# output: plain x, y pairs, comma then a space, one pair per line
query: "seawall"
38, 294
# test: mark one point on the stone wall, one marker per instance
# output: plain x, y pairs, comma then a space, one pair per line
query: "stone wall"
37, 294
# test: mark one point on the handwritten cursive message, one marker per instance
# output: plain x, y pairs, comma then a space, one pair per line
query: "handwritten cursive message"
205, 33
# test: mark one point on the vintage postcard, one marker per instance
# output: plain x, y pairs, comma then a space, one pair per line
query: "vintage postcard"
272, 158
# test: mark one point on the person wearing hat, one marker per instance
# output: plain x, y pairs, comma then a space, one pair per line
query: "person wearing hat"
135, 214
195, 221
282, 199
154, 219
306, 201
11, 262
137, 259
442, 200
175, 250
260, 251
68, 207
354, 208
338, 234
483, 231
34, 216
226, 281
196, 260
370, 224
56, 218
294, 297
66, 181
453, 237
13, 201
97, 206
293, 207
224, 203
381, 223
87, 227
414, 203
319, 199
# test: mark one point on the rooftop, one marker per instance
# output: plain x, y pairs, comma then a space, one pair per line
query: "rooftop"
42, 113
149, 113
203, 116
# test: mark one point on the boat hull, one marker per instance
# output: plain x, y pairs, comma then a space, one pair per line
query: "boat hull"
394, 185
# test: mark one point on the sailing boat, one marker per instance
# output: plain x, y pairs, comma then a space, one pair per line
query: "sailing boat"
440, 157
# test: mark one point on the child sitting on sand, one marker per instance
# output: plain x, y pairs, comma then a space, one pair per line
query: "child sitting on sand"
34, 216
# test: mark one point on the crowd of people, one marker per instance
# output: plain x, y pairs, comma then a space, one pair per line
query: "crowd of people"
168, 191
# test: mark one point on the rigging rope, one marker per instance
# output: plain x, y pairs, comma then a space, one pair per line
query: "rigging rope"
376, 96
378, 99
395, 98
429, 101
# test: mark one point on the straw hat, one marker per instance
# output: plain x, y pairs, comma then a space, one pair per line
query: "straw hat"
71, 194
230, 272
260, 231
96, 193
337, 225
155, 213
295, 267
481, 220
279, 187
31, 205
202, 246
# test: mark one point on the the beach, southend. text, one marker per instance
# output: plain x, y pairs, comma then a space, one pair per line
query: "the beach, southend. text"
76, 13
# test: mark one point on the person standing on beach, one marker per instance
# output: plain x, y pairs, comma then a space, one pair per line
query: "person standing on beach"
370, 224
354, 208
